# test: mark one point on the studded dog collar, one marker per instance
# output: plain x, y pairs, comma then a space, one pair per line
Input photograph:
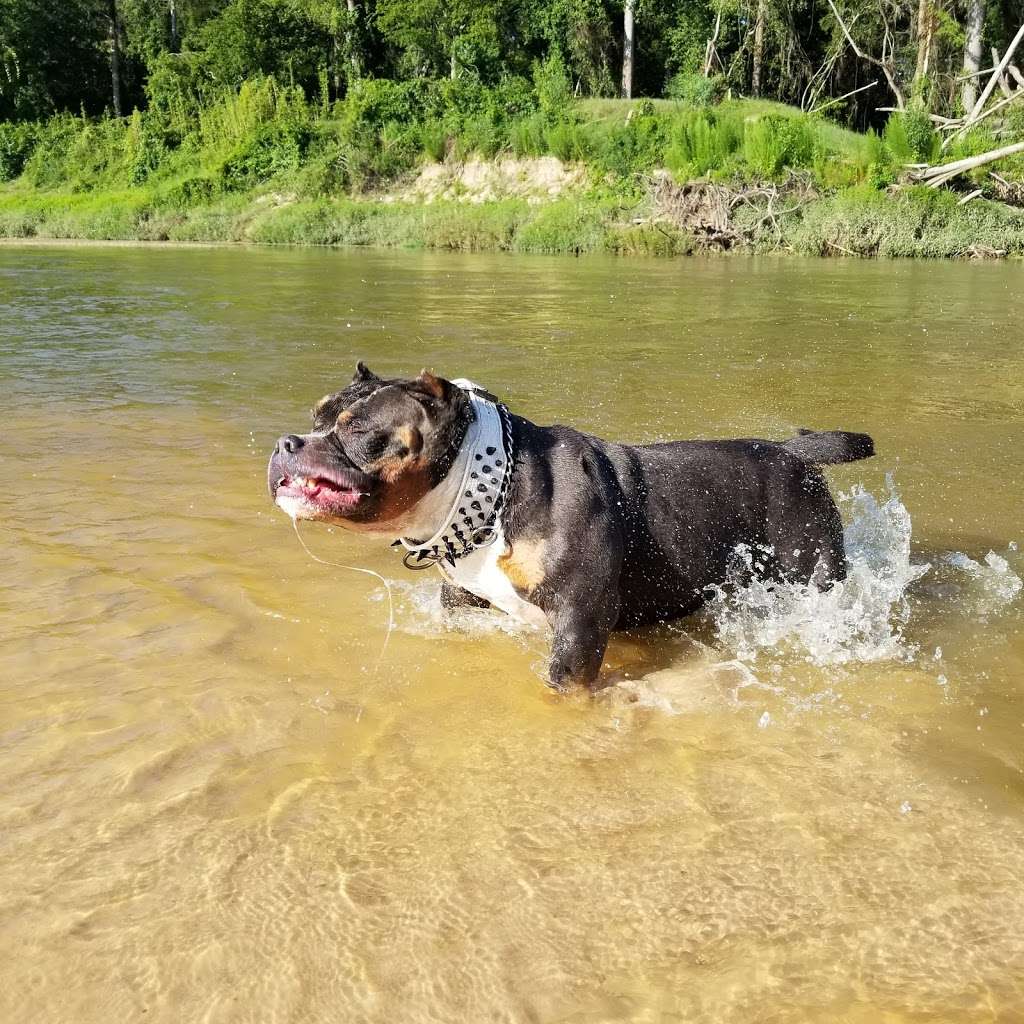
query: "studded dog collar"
472, 521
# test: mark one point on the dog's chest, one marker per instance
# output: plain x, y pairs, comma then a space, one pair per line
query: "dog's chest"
480, 573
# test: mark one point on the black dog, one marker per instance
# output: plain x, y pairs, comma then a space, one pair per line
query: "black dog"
554, 525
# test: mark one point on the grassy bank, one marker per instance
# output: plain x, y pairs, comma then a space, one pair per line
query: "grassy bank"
853, 223
526, 169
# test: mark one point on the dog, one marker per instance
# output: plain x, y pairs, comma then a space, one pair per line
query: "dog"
555, 526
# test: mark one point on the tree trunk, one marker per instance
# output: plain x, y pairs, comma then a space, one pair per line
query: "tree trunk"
925, 36
755, 76
973, 30
351, 38
175, 39
115, 56
627, 50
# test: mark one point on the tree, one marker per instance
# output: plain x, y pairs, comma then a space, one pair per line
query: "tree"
755, 74
974, 30
627, 49
115, 55
927, 18
51, 58
445, 37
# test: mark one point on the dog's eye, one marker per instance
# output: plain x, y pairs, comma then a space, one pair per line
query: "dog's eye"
351, 427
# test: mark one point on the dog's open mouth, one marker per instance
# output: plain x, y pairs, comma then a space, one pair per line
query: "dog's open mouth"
319, 492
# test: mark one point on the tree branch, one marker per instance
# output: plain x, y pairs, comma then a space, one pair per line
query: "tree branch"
883, 63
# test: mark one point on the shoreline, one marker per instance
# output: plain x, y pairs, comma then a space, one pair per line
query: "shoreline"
913, 223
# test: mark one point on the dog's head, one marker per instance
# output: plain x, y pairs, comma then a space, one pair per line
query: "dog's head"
376, 448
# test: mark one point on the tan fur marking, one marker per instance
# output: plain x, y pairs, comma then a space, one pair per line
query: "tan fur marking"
524, 565
344, 418
411, 438
407, 483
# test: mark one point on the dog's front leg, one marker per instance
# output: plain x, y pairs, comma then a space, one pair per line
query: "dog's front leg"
580, 639
453, 597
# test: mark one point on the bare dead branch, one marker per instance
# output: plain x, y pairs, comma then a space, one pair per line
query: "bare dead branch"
996, 75
885, 64
940, 174
839, 99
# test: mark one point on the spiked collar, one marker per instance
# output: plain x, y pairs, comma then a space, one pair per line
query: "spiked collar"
473, 520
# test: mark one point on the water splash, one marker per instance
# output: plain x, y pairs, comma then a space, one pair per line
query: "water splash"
989, 586
860, 619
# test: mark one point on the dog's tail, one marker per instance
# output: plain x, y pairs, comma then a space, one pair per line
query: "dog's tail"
827, 447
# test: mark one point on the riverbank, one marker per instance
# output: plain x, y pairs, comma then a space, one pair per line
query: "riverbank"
664, 178
858, 222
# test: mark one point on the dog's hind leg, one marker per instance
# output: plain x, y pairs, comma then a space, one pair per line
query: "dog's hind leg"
809, 547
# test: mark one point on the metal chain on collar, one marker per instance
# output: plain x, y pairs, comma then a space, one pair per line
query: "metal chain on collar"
473, 537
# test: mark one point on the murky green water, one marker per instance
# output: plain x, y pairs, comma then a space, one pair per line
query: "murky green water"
213, 808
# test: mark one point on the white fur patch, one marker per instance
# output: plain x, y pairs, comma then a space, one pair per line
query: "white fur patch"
478, 573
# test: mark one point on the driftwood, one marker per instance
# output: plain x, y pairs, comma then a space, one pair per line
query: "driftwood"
1009, 192
940, 174
707, 211
978, 251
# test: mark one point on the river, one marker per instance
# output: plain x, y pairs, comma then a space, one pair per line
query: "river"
223, 798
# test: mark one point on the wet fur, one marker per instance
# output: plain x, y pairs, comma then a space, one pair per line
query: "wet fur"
603, 536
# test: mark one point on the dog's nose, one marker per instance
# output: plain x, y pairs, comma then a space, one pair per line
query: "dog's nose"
289, 443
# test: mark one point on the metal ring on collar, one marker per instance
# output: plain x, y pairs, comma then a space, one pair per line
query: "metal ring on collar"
483, 535
420, 560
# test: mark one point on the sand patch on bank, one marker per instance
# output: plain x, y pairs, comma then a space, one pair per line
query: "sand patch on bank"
534, 179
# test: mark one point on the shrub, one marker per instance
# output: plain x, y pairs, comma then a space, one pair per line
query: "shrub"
17, 140
695, 90
700, 142
434, 140
631, 146
772, 143
270, 150
144, 150
527, 135
553, 88
563, 140
910, 138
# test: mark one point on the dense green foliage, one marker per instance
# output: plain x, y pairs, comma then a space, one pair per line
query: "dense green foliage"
276, 120
54, 56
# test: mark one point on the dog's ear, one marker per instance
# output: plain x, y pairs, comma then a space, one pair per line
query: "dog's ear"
363, 373
433, 386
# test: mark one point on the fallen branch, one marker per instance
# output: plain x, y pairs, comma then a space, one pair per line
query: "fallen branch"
839, 99
939, 174
710, 50
974, 74
970, 195
1004, 85
993, 81
935, 118
959, 132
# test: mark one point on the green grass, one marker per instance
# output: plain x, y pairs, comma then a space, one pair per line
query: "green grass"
261, 164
